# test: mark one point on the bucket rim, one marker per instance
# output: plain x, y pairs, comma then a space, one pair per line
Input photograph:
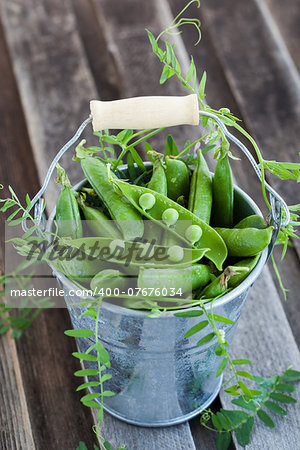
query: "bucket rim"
242, 287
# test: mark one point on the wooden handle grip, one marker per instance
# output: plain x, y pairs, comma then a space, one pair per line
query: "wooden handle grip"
145, 112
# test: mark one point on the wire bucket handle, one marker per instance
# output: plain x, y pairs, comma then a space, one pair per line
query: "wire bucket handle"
156, 112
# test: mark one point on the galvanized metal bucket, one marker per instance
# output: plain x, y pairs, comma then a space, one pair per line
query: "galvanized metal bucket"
161, 378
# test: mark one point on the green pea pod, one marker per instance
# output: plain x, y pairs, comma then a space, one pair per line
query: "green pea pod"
209, 239
229, 279
178, 178
98, 223
190, 278
128, 219
254, 221
133, 254
244, 242
110, 278
79, 268
158, 181
67, 211
223, 194
200, 198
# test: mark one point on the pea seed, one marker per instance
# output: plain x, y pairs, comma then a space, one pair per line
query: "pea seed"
170, 216
147, 201
193, 233
176, 253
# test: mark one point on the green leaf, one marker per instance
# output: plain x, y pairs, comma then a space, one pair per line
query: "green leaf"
81, 446
233, 390
93, 405
170, 56
226, 424
28, 201
243, 433
290, 375
265, 418
79, 333
220, 318
241, 361
88, 384
171, 147
204, 121
196, 328
85, 372
106, 377
282, 398
108, 394
216, 422
152, 41
89, 397
191, 70
243, 373
245, 389
275, 408
84, 356
219, 351
249, 405
124, 135
235, 417
130, 166
107, 445
165, 75
223, 441
202, 86
189, 314
285, 387
222, 366
103, 355
206, 339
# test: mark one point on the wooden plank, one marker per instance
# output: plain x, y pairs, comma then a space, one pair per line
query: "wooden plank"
38, 405
287, 23
15, 426
53, 77
271, 350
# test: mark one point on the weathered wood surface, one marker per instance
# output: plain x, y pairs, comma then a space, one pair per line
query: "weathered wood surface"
264, 337
60, 64
36, 371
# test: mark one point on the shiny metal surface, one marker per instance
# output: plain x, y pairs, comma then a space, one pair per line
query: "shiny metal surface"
160, 377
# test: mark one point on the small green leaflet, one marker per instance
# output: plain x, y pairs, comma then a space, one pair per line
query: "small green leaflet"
265, 418
89, 397
285, 387
206, 339
171, 147
223, 441
84, 356
86, 372
291, 375
222, 366
243, 433
152, 41
189, 314
79, 333
218, 318
275, 408
196, 328
241, 361
283, 398
88, 384
243, 403
202, 86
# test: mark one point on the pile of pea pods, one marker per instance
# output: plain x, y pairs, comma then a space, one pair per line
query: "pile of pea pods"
188, 212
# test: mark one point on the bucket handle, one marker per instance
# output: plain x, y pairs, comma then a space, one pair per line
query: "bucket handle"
168, 116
